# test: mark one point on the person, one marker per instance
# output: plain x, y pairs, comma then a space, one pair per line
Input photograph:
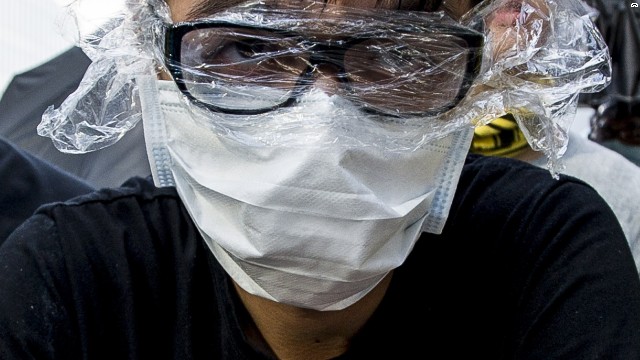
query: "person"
615, 178
301, 207
32, 183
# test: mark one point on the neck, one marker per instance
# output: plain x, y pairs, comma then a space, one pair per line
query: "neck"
297, 333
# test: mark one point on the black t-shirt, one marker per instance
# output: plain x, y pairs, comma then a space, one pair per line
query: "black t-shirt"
527, 267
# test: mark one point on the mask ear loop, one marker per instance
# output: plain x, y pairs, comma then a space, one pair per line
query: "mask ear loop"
155, 133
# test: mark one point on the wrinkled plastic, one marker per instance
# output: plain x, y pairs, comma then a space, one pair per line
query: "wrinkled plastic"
537, 57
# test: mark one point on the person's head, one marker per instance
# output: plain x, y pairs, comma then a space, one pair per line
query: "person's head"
534, 52
313, 142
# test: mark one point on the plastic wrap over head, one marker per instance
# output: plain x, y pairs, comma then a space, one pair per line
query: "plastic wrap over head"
535, 67
537, 56
106, 105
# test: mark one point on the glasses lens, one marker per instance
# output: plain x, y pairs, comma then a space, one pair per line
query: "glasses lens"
408, 75
241, 69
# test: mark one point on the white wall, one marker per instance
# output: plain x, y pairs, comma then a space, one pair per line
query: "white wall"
30, 32
33, 31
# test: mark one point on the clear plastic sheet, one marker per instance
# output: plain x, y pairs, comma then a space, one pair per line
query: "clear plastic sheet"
533, 59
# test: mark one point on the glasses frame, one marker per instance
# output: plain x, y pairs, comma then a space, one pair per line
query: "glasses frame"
172, 53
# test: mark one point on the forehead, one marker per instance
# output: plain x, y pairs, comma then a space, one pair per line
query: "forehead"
180, 8
183, 10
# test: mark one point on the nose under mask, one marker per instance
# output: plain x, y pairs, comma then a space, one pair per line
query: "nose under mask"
313, 226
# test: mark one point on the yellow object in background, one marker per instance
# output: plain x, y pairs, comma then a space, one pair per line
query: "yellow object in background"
500, 137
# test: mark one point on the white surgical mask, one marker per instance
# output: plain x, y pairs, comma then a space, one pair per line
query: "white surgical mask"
313, 227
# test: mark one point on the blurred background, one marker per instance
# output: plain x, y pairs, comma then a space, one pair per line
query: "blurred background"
34, 31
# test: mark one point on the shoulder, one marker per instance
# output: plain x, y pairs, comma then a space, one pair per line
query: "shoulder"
500, 192
522, 250
119, 233
508, 181
125, 259
509, 205
136, 194
107, 220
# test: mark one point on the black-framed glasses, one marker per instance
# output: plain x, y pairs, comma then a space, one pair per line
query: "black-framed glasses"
240, 69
